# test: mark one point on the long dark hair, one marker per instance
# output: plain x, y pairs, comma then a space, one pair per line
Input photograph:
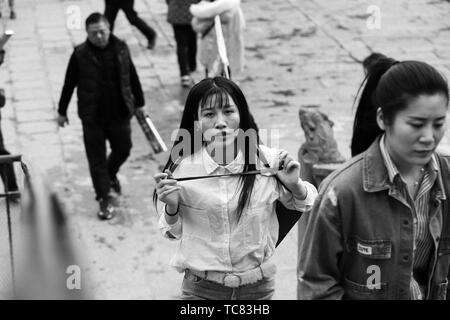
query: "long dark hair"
391, 85
212, 91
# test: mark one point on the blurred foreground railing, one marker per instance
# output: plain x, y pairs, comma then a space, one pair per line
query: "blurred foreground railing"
41, 249
6, 164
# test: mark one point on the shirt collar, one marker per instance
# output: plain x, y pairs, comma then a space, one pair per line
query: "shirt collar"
210, 165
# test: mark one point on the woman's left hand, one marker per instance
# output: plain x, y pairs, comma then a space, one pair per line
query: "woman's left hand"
290, 172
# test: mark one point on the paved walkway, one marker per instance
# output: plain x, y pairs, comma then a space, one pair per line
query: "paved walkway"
308, 55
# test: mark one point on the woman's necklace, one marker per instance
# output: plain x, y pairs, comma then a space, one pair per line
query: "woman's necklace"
413, 187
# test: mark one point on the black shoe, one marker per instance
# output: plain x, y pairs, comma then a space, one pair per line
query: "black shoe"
106, 211
115, 185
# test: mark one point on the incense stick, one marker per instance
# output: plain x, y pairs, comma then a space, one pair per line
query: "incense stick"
262, 171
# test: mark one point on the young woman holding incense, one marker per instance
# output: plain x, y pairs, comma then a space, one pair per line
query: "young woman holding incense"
227, 226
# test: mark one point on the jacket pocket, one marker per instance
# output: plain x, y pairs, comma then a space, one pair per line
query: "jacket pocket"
440, 291
372, 249
196, 223
357, 291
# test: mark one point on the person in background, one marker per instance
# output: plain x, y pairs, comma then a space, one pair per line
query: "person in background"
186, 38
112, 7
12, 11
109, 93
233, 25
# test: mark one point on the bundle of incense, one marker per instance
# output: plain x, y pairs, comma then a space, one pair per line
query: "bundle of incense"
152, 135
265, 171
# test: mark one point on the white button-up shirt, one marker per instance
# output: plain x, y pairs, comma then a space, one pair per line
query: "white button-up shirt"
211, 237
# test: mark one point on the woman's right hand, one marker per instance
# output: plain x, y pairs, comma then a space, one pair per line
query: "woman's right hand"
167, 188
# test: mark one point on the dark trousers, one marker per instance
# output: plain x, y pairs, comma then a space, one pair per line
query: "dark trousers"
186, 39
112, 8
7, 170
101, 167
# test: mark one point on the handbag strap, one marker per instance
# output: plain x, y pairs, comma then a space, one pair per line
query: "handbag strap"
205, 33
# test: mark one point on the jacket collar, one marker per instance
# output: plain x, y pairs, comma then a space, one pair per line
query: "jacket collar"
375, 174
115, 42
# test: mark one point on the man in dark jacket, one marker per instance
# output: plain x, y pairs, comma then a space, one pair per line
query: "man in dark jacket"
109, 93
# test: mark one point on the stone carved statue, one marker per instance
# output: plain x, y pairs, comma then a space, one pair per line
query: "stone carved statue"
320, 145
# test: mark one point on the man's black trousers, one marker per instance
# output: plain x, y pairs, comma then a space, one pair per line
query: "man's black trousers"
101, 167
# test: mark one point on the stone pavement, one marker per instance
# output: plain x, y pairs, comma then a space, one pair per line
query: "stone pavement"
298, 53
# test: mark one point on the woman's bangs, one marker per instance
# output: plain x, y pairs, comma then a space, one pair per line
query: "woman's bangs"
215, 97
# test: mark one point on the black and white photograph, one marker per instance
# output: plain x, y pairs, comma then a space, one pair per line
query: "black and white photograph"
282, 150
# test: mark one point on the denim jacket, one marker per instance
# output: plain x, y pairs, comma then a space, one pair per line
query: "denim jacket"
358, 240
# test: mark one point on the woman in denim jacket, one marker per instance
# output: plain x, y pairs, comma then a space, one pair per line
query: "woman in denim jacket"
227, 226
380, 227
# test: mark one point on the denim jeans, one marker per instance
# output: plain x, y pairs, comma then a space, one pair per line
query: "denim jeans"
196, 288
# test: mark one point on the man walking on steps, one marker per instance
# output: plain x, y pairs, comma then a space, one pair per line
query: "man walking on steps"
109, 93
112, 8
